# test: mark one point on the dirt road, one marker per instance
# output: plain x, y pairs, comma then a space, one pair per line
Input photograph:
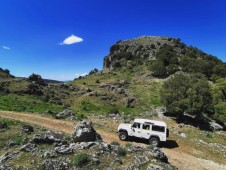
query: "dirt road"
177, 157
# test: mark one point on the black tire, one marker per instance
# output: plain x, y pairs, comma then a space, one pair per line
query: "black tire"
154, 141
123, 136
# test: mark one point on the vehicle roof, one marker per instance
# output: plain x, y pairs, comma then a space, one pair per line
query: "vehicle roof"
155, 122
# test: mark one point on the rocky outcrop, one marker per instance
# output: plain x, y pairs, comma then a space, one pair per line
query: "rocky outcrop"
49, 138
7, 156
29, 147
84, 132
135, 51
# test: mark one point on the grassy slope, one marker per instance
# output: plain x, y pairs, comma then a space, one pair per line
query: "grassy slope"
145, 90
14, 102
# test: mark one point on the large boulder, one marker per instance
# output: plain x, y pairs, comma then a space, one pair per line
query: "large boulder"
215, 126
84, 132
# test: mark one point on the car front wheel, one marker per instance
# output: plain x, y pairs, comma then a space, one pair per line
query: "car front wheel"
123, 136
154, 141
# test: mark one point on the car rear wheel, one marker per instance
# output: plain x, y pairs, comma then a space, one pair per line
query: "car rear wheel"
154, 141
123, 136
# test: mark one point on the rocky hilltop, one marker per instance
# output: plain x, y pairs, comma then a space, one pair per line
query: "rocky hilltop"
140, 49
163, 56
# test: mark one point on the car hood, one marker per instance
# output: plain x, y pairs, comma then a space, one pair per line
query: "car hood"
125, 126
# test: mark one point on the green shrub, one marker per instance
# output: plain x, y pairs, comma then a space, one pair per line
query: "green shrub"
151, 147
9, 122
81, 159
128, 145
19, 139
115, 143
158, 69
121, 151
81, 116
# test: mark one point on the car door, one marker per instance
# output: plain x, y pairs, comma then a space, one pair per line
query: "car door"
136, 130
146, 131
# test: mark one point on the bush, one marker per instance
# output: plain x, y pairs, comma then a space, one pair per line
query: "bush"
128, 145
9, 122
121, 151
81, 159
81, 116
158, 69
185, 93
115, 143
18, 140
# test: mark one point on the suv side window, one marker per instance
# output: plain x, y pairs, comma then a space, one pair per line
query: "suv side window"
158, 128
146, 127
136, 125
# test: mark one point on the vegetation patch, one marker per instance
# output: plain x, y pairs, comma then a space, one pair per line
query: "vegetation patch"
81, 159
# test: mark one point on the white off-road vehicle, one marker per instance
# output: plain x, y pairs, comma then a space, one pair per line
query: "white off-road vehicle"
152, 130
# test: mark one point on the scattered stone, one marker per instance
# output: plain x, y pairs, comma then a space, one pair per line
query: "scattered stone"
130, 102
12, 143
50, 154
183, 135
105, 147
66, 114
135, 148
118, 160
55, 165
7, 156
5, 167
84, 132
27, 129
64, 149
28, 147
159, 167
158, 154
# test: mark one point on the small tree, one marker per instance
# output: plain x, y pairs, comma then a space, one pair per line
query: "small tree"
158, 69
184, 93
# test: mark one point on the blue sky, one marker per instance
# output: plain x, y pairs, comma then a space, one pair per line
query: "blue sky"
32, 32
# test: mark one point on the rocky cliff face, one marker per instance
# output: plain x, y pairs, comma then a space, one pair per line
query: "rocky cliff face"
135, 51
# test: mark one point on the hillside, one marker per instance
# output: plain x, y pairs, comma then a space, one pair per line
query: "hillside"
130, 83
150, 77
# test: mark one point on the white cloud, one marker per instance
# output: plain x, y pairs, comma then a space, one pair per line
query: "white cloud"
6, 48
82, 74
71, 40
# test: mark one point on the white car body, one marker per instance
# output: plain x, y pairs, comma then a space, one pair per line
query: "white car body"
146, 129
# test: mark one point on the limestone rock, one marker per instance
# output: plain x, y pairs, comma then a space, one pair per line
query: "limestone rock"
84, 132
